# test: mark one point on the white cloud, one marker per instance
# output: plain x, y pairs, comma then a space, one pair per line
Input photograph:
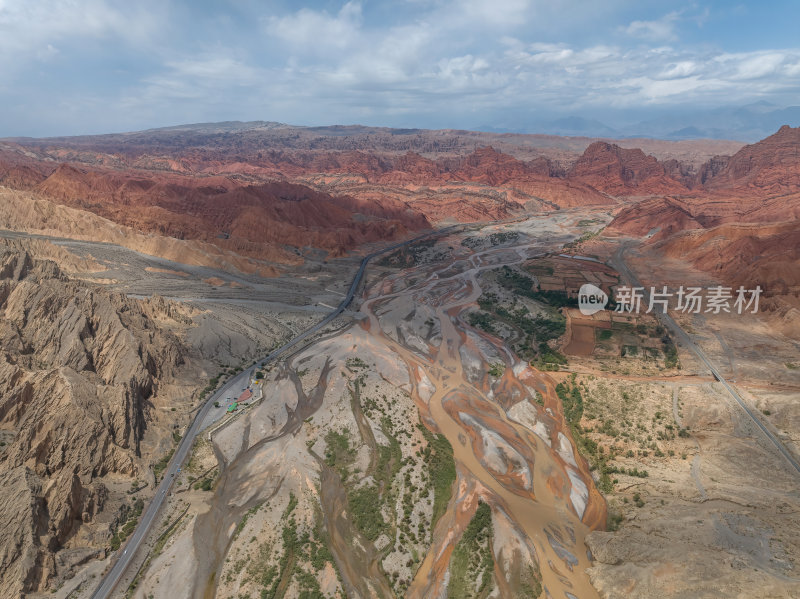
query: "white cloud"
758, 66
198, 78
339, 64
26, 27
662, 29
314, 32
492, 12
677, 70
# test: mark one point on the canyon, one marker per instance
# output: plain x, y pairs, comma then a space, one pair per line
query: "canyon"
460, 430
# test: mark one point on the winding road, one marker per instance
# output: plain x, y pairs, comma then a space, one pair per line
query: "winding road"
150, 515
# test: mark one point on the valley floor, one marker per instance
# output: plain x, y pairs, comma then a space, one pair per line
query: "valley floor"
462, 438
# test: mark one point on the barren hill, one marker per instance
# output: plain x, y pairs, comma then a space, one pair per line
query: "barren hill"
264, 191
78, 371
618, 171
739, 222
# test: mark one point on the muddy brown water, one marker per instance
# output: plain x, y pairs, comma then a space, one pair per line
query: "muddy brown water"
545, 514
541, 508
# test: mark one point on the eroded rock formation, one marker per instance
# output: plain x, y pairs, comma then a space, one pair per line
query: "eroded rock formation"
78, 367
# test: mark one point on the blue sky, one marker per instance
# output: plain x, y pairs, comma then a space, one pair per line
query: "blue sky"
89, 66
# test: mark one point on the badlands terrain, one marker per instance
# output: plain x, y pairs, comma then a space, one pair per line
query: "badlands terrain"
461, 429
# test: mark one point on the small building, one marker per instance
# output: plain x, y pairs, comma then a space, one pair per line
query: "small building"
233, 406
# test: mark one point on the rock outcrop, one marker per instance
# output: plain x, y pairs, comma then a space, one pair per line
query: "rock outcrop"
78, 368
769, 167
622, 172
738, 223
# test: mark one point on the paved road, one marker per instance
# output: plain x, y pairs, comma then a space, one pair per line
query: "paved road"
149, 517
618, 263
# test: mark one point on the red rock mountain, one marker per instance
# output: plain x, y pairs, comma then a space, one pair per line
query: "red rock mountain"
621, 172
769, 167
19, 171
741, 220
260, 204
260, 189
245, 218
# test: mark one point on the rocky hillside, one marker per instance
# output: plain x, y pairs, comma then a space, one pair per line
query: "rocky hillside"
79, 369
250, 219
261, 190
223, 140
258, 195
769, 167
621, 172
740, 220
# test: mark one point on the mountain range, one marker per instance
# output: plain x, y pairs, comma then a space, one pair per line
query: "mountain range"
267, 192
746, 123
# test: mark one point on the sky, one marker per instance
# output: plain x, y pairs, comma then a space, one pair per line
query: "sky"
90, 66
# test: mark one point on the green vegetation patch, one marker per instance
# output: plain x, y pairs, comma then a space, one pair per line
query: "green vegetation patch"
472, 562
355, 363
522, 284
299, 548
494, 239
338, 453
205, 484
411, 255
535, 330
438, 456
497, 369
630, 350
482, 320
131, 515
572, 401
670, 352
580, 240
161, 465
365, 503
574, 404
530, 584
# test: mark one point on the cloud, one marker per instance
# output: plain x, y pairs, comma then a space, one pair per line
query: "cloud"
492, 12
755, 65
27, 27
662, 29
317, 32
680, 69
201, 77
431, 62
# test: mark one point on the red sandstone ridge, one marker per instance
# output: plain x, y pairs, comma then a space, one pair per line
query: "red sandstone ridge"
659, 217
740, 223
487, 165
258, 189
746, 254
769, 167
252, 220
621, 172
19, 171
758, 184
